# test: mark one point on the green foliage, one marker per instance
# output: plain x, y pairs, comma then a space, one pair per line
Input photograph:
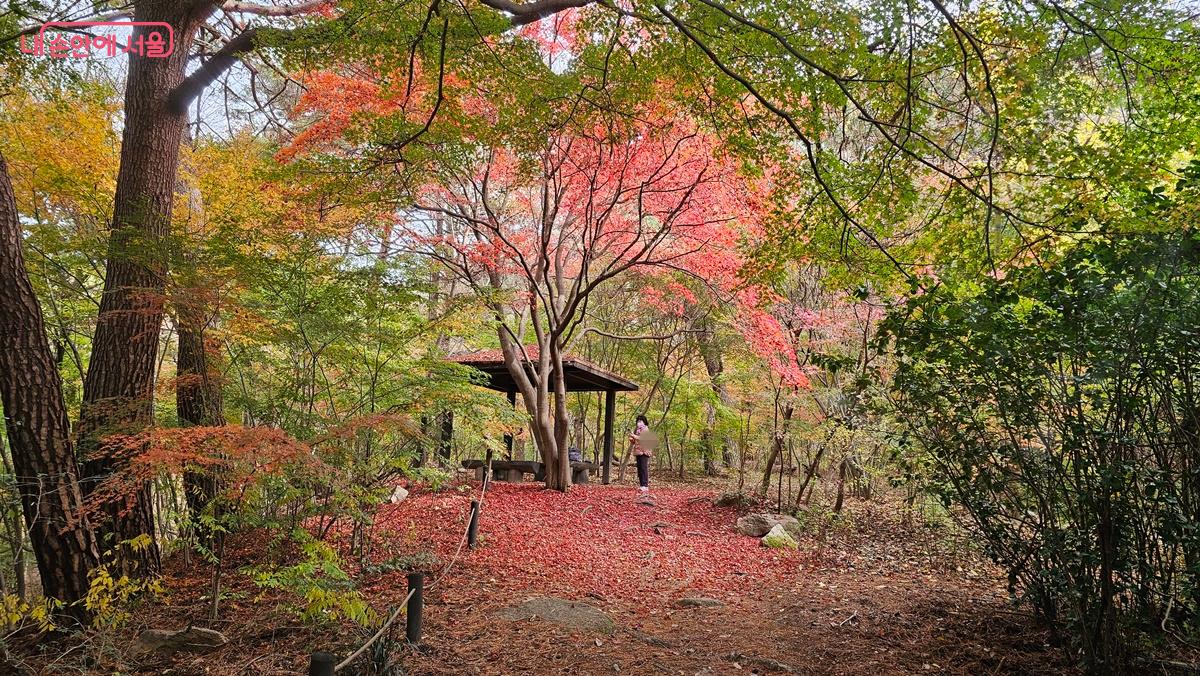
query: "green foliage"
1058, 407
327, 593
110, 596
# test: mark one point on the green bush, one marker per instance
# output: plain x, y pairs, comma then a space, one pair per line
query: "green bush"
1060, 408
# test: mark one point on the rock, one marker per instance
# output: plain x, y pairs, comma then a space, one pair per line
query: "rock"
651, 639
699, 603
730, 499
778, 538
192, 639
562, 612
399, 494
758, 525
762, 663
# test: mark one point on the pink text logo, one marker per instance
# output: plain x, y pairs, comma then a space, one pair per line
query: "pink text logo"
73, 39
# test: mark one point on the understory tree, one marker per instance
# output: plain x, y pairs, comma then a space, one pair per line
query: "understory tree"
1058, 407
536, 234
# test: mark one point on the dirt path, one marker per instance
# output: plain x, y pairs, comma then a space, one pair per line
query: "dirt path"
864, 594
869, 598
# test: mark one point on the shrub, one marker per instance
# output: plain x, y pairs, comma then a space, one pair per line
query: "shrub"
1060, 408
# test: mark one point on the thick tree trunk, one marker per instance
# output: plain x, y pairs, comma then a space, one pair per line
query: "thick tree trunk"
548, 425
118, 391
38, 428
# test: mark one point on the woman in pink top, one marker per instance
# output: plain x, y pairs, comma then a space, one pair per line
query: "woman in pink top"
642, 452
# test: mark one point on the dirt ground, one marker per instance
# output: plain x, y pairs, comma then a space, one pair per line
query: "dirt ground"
869, 593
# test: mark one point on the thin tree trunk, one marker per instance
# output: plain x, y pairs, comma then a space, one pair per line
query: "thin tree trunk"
38, 427
714, 364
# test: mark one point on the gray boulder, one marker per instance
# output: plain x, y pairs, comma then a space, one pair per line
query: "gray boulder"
758, 525
399, 494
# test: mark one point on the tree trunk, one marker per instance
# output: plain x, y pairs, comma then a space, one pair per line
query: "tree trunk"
198, 400
38, 427
778, 447
118, 391
714, 364
198, 396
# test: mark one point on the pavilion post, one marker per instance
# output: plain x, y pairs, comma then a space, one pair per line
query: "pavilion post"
508, 438
610, 405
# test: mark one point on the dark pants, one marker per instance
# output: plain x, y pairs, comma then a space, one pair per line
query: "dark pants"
643, 463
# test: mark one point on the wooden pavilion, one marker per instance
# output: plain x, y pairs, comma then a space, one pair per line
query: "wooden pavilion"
581, 376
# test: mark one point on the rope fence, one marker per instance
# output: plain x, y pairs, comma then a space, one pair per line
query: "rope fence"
323, 663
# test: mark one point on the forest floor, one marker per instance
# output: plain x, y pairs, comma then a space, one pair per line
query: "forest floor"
867, 593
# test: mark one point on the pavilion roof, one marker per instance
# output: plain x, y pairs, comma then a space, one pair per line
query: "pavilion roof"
581, 374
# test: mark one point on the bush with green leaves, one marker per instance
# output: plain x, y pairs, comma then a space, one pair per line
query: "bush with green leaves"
1059, 408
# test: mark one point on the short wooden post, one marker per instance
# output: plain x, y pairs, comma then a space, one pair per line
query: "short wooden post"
416, 585
473, 528
321, 664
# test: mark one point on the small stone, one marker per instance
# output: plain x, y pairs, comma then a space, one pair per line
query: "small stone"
399, 494
192, 639
699, 603
778, 538
562, 612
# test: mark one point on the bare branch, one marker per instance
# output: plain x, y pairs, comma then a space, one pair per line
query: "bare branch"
274, 10
529, 12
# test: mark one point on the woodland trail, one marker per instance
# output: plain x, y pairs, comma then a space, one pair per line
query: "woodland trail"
869, 598
865, 594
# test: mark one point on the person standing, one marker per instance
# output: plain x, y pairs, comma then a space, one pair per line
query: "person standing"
642, 440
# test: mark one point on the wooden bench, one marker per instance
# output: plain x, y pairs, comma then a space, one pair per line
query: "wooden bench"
515, 470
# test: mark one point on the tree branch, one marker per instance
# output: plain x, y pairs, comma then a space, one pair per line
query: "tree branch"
529, 12
187, 91
274, 10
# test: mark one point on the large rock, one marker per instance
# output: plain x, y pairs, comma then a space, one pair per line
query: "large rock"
192, 639
399, 494
758, 525
778, 538
562, 612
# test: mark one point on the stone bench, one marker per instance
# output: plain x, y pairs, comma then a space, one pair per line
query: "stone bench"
515, 470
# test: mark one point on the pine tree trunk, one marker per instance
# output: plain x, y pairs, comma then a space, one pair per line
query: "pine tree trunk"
38, 428
198, 396
198, 400
118, 391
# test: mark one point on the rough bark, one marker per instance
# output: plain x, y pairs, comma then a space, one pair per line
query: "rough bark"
118, 391
198, 397
38, 427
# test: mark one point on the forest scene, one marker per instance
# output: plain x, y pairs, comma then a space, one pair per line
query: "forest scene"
599, 336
